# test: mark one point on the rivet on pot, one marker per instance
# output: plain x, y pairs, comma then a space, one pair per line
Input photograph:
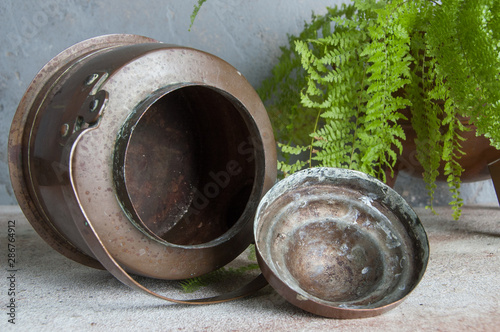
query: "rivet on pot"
91, 79
64, 130
93, 105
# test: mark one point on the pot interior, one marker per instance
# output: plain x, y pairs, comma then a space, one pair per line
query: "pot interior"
190, 165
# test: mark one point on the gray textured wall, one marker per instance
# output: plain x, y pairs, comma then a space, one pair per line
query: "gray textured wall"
246, 33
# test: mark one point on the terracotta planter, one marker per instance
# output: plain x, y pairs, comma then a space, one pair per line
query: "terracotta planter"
478, 154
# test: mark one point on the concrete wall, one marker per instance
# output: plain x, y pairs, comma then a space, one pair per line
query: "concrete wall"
245, 33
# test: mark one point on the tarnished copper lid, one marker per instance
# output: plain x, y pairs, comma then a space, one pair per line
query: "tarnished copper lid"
339, 243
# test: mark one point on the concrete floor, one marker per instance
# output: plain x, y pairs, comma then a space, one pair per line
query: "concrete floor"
460, 290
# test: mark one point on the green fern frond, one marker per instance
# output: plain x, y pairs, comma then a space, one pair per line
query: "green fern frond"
193, 284
292, 121
196, 9
471, 69
295, 150
343, 86
252, 253
288, 168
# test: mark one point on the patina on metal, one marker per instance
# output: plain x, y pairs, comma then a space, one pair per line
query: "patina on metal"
142, 157
339, 243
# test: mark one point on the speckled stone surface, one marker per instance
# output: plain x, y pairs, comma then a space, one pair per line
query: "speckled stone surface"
460, 290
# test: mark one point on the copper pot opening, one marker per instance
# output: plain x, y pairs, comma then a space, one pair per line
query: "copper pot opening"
189, 165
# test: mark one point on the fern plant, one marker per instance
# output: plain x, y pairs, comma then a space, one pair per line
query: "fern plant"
384, 57
337, 95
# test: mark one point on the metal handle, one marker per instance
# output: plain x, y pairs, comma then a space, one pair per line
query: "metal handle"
90, 236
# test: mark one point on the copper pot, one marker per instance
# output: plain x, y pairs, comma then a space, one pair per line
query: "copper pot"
164, 150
